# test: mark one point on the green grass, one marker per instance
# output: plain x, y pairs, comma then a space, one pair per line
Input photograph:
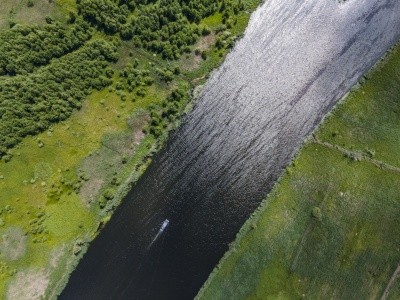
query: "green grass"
369, 120
283, 252
18, 11
26, 179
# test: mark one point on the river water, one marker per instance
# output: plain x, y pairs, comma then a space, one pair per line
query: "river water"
295, 61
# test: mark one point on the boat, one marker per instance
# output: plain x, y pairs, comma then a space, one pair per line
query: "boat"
164, 225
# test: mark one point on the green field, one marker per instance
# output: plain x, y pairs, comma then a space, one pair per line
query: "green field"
330, 229
17, 11
61, 183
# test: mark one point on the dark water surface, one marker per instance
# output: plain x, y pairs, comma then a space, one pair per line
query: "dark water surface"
296, 60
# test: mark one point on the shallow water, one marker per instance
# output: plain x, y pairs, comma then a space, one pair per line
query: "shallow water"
295, 61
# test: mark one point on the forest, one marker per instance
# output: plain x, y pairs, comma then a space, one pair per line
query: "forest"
25, 48
164, 27
46, 71
30, 103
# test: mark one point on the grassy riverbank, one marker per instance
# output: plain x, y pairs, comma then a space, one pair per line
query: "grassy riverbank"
331, 226
58, 187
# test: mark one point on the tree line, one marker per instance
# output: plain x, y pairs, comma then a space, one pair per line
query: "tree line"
30, 103
24, 48
167, 27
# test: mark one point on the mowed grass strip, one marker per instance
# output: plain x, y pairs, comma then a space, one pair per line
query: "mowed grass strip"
330, 229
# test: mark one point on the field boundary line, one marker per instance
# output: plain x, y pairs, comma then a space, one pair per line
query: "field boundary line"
357, 155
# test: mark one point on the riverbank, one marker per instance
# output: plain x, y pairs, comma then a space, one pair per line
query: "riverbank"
330, 227
253, 114
61, 186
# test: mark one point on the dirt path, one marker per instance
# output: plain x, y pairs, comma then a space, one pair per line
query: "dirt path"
391, 282
309, 228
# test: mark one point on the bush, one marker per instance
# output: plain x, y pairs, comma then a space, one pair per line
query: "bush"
109, 194
316, 213
165, 74
205, 31
161, 116
133, 78
107, 15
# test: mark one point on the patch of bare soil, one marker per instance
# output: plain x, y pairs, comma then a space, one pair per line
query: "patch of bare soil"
90, 189
56, 256
101, 165
13, 243
205, 42
137, 124
35, 14
192, 61
28, 285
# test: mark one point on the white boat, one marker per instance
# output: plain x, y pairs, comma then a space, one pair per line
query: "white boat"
164, 225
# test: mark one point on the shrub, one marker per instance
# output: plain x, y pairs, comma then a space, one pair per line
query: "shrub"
165, 74
109, 194
107, 15
316, 213
205, 31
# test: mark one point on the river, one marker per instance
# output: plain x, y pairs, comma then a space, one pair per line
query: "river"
295, 61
